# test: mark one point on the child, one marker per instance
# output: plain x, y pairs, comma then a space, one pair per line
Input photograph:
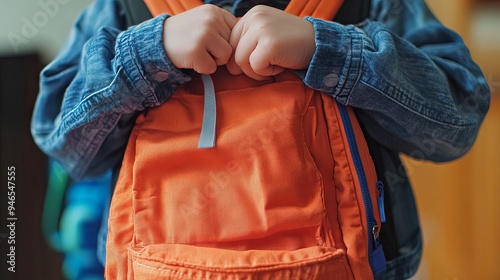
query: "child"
412, 82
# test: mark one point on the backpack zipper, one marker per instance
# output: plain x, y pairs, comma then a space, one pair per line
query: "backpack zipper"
375, 253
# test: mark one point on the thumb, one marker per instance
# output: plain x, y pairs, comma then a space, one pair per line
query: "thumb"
261, 64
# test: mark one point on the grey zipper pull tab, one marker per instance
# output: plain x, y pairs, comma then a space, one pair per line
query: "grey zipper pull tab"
207, 136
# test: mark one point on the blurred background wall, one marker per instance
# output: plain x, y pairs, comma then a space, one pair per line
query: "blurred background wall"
41, 26
458, 201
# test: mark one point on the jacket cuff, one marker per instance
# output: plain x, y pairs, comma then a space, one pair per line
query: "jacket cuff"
145, 62
336, 64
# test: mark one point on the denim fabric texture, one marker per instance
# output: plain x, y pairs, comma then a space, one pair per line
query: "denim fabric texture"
411, 80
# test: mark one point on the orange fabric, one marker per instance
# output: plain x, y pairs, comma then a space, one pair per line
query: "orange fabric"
172, 7
158, 7
352, 216
262, 195
324, 9
277, 198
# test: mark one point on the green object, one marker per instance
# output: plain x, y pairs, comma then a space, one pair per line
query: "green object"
58, 181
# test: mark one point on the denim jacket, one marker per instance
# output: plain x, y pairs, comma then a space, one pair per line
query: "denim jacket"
412, 82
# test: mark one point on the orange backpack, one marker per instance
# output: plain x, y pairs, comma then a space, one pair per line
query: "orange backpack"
285, 190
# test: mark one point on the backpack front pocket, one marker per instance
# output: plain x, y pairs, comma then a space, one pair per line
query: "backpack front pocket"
261, 204
258, 188
191, 262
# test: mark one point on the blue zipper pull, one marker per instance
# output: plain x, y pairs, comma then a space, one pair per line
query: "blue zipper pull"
381, 208
378, 257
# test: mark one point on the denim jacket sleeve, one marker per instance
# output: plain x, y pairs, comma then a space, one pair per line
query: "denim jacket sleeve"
91, 92
412, 81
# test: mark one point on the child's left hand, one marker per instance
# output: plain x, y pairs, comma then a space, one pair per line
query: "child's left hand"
266, 40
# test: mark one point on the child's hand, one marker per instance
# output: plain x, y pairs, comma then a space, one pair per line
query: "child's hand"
267, 40
199, 38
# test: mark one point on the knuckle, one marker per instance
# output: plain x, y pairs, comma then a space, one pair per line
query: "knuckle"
211, 14
258, 9
240, 60
259, 12
209, 7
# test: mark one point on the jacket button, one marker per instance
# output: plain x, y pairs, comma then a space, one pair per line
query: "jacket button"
331, 80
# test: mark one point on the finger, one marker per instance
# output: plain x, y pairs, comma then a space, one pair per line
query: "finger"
229, 19
236, 33
204, 63
234, 39
247, 70
242, 45
252, 74
220, 50
226, 24
270, 70
232, 67
260, 61
242, 53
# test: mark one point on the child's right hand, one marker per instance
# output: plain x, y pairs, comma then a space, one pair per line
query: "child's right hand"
199, 38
